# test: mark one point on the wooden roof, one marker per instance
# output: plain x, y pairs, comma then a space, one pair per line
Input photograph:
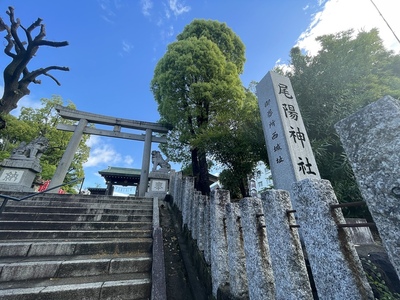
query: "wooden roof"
121, 176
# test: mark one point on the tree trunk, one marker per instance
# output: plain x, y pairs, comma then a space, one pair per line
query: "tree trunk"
204, 182
195, 168
200, 171
243, 188
10, 99
7, 104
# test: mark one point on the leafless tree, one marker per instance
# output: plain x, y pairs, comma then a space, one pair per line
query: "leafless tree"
17, 77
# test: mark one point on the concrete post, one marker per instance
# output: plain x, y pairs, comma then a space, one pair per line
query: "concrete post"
177, 190
181, 193
258, 261
187, 200
195, 215
219, 246
336, 268
236, 257
371, 140
207, 231
201, 223
68, 156
172, 182
144, 175
190, 209
290, 272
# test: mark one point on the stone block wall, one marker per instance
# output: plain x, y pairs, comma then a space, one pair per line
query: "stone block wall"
253, 247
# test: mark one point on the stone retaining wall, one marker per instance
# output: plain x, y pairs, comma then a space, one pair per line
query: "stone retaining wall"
252, 247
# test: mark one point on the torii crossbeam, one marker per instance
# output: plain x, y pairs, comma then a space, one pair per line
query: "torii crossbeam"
85, 118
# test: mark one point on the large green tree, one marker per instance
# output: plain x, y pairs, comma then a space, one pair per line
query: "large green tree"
236, 142
35, 122
195, 81
17, 77
349, 72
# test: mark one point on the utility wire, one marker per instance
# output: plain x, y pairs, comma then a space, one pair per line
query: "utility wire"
386, 22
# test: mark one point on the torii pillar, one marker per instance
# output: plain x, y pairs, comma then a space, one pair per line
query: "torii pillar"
144, 175
68, 156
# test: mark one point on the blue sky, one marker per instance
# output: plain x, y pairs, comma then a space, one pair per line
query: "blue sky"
114, 46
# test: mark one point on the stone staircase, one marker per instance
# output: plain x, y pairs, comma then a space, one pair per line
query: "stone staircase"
77, 247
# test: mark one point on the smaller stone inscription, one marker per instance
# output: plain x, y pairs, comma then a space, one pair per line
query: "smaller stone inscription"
158, 185
11, 176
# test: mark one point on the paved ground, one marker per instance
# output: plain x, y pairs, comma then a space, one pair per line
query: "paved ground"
182, 281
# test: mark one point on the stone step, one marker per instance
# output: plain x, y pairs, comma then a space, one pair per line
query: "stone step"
103, 205
118, 286
72, 234
80, 198
65, 225
29, 248
114, 200
16, 269
91, 199
78, 210
25, 216
76, 247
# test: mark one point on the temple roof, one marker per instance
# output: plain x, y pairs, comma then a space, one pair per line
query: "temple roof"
121, 176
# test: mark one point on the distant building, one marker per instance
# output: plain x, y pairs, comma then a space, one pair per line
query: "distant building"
215, 185
261, 180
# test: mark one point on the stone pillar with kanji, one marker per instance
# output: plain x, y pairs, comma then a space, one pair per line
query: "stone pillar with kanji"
158, 185
289, 150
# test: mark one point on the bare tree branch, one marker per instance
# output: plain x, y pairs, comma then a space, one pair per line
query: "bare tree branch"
41, 34
16, 75
31, 76
14, 28
8, 48
53, 44
34, 25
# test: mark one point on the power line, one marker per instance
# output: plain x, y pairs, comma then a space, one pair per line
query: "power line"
386, 22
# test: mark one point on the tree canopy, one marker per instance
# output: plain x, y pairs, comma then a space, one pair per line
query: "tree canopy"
349, 72
17, 77
35, 122
227, 41
194, 82
237, 142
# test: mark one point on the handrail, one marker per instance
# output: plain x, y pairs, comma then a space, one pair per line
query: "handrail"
7, 197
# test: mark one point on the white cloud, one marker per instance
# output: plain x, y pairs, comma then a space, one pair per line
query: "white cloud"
167, 12
167, 32
128, 160
163, 10
147, 5
178, 8
101, 153
340, 15
108, 8
107, 19
104, 154
126, 46
93, 140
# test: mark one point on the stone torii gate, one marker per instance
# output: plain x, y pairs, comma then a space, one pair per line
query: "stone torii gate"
85, 118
